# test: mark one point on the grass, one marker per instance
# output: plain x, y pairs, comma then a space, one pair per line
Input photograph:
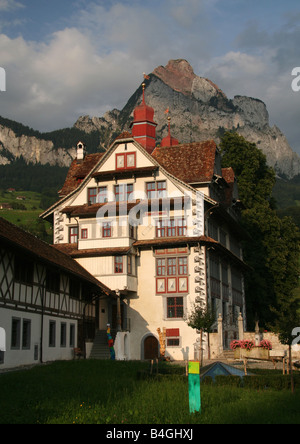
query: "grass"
28, 218
109, 392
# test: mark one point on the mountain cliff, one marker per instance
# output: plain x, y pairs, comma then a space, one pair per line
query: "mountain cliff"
198, 108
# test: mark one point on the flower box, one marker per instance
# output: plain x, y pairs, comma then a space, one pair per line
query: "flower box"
255, 353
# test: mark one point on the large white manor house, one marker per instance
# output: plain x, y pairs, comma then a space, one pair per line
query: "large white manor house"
159, 226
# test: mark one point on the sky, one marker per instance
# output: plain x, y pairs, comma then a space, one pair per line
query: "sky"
64, 59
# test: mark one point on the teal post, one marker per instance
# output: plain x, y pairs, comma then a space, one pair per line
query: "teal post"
194, 387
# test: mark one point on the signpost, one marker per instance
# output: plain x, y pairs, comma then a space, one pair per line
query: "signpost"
194, 387
110, 343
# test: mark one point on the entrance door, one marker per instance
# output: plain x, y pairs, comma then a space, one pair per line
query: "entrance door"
150, 348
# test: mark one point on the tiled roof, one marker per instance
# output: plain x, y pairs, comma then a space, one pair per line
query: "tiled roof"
73, 251
189, 162
124, 135
19, 239
79, 170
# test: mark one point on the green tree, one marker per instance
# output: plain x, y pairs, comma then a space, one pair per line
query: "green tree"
201, 319
273, 249
286, 320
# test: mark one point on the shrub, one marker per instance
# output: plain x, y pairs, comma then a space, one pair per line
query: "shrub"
207, 380
232, 380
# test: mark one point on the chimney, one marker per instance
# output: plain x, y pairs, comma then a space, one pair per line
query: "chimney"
81, 150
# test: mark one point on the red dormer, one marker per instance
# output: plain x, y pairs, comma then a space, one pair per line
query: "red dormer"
143, 125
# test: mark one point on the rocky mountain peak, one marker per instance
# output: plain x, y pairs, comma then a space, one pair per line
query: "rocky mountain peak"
198, 108
179, 75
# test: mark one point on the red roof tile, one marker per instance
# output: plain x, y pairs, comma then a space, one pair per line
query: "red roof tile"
79, 170
189, 162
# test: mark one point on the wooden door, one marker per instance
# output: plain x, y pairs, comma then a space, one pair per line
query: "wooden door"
150, 348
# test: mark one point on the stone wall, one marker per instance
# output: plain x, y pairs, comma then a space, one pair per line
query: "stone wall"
276, 344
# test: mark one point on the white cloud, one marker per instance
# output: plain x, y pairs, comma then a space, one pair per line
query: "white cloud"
97, 62
9, 5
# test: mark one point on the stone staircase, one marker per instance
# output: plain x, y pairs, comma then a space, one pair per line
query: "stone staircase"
227, 355
100, 349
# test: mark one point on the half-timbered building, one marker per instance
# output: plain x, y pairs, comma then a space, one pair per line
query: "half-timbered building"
48, 301
159, 225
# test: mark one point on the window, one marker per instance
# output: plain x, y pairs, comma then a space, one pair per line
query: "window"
182, 266
173, 338
172, 275
129, 264
92, 195
156, 189
53, 281
171, 228
215, 281
72, 335
23, 270
125, 160
15, 333
63, 334
123, 192
118, 264
102, 194
26, 334
181, 227
151, 190
52, 333
161, 267
97, 195
84, 233
161, 228
175, 307
161, 189
172, 266
106, 229
73, 235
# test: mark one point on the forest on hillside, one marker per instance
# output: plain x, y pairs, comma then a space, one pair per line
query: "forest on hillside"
63, 138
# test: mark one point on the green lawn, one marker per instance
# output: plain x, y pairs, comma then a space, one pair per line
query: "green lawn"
27, 217
109, 392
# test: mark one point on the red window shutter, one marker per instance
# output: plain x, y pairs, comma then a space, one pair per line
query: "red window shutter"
172, 332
